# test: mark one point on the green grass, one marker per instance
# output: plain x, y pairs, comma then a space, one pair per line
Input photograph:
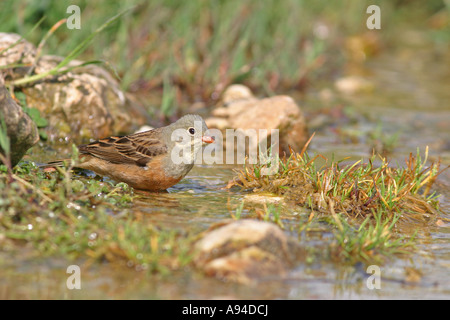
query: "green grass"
191, 50
194, 46
363, 201
371, 241
355, 190
57, 214
62, 214
62, 67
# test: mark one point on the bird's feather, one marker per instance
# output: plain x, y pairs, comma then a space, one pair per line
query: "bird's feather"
138, 148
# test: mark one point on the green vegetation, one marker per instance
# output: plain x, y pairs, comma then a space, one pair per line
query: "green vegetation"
62, 67
54, 213
371, 241
365, 201
188, 51
355, 190
34, 114
57, 213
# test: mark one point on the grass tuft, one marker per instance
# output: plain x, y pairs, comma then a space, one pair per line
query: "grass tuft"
59, 214
365, 202
355, 190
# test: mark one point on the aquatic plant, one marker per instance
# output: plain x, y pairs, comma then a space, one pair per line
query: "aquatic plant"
65, 215
357, 189
365, 202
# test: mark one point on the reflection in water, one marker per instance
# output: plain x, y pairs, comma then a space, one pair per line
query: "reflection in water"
197, 201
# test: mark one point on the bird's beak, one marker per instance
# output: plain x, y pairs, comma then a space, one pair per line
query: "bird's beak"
207, 139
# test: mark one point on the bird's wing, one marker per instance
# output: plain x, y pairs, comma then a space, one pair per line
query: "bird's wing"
138, 148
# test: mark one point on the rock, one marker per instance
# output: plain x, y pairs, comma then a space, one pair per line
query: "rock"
353, 84
236, 92
144, 128
280, 112
218, 123
264, 198
21, 129
240, 110
85, 103
236, 99
21, 53
245, 250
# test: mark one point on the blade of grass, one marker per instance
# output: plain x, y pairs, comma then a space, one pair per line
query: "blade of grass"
21, 38
72, 55
42, 43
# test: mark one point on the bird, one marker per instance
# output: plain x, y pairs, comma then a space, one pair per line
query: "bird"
152, 160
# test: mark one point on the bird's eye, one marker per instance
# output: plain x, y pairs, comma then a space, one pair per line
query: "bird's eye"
191, 130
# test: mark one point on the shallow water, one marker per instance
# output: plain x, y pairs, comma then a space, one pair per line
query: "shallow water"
196, 203
411, 98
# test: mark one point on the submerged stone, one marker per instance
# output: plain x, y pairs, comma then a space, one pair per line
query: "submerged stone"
246, 250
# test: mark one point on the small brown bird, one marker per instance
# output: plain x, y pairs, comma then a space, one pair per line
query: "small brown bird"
153, 160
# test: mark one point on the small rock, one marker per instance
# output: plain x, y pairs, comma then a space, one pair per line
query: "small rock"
144, 128
241, 111
236, 92
21, 53
353, 84
259, 198
216, 122
245, 250
85, 103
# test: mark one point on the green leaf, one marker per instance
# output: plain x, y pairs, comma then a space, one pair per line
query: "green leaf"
36, 116
22, 98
